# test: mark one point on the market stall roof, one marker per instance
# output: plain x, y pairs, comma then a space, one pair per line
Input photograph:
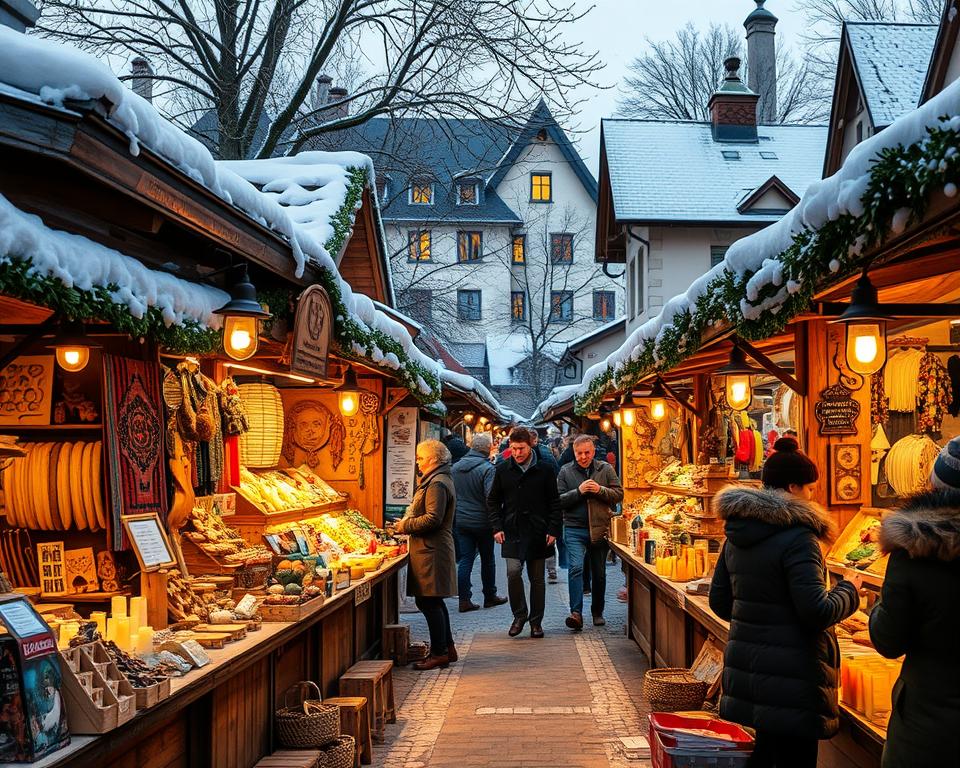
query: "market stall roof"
75, 83
770, 277
558, 403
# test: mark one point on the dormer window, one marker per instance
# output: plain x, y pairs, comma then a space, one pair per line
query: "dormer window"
421, 193
468, 193
730, 154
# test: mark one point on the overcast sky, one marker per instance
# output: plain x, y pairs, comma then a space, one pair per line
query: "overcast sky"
618, 28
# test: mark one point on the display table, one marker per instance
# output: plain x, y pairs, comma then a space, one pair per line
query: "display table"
221, 716
670, 626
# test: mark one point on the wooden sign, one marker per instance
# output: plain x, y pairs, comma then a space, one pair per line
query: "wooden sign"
149, 541
837, 411
708, 666
53, 568
81, 570
362, 593
845, 473
27, 387
312, 332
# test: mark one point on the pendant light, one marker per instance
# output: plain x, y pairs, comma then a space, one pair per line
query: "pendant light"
468, 417
738, 386
72, 346
658, 401
627, 412
866, 329
241, 316
617, 419
348, 394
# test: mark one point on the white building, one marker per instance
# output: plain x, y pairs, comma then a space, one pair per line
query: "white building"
491, 235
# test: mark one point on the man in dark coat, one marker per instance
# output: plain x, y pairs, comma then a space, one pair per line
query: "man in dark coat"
782, 663
917, 616
458, 449
524, 509
472, 477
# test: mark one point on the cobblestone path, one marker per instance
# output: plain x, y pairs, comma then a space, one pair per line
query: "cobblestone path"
561, 702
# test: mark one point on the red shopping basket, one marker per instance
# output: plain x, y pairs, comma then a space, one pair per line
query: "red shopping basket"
697, 740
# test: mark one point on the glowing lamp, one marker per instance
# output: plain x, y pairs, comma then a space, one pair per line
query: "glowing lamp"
658, 401
738, 384
72, 347
606, 424
866, 329
241, 316
468, 417
628, 416
348, 394
617, 419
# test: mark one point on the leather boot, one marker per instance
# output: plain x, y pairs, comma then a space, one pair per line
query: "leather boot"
452, 654
468, 605
432, 662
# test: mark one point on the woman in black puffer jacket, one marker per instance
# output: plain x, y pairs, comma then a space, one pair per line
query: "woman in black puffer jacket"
782, 663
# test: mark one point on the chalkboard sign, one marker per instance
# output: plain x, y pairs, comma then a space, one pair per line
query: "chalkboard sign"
149, 541
837, 411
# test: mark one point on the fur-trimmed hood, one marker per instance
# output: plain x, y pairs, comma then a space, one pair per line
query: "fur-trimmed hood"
927, 525
773, 508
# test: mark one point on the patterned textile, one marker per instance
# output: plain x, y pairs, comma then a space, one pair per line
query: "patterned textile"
879, 402
934, 395
134, 441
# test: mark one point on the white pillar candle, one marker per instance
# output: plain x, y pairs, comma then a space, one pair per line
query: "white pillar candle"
118, 606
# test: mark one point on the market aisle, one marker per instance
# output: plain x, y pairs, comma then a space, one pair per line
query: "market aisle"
560, 702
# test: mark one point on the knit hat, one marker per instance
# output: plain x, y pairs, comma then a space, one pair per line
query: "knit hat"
946, 469
788, 465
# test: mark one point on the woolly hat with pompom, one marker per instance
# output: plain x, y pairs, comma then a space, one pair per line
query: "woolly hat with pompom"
788, 465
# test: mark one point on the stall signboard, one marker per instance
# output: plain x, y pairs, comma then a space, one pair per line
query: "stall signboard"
34, 721
401, 456
312, 333
836, 411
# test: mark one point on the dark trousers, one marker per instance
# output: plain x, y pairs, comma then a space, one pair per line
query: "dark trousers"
773, 750
538, 590
434, 610
469, 542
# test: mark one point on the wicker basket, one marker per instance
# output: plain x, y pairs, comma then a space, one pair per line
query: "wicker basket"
338, 754
298, 728
254, 576
673, 690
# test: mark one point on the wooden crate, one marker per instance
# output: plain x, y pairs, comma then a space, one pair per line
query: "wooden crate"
98, 698
291, 612
396, 642
201, 563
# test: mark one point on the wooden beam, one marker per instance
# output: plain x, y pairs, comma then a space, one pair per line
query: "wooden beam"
772, 368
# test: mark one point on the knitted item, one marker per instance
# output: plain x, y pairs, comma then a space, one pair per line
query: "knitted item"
788, 466
946, 469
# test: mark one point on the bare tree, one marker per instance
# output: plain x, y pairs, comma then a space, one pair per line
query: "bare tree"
255, 62
675, 78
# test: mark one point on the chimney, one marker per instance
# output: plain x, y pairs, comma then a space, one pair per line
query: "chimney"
142, 78
761, 26
321, 91
18, 14
733, 107
341, 110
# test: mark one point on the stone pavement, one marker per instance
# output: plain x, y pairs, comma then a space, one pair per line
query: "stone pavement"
561, 702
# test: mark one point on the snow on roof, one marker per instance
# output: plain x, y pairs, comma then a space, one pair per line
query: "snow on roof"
467, 383
84, 264
557, 396
597, 333
891, 62
757, 254
469, 354
675, 171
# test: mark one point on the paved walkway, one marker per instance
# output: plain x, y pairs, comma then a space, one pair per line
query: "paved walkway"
561, 702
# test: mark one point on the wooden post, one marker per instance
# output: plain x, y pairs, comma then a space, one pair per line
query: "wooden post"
153, 586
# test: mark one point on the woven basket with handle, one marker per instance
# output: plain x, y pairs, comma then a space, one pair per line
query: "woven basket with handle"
672, 690
338, 754
310, 724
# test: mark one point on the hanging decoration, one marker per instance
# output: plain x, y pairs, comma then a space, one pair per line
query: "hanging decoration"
260, 445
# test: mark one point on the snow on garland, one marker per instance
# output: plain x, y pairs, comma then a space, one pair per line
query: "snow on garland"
770, 277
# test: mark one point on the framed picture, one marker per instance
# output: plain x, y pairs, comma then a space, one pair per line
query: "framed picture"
846, 473
149, 541
26, 391
53, 569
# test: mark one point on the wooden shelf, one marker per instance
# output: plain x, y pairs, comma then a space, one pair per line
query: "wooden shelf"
867, 725
51, 428
870, 579
679, 491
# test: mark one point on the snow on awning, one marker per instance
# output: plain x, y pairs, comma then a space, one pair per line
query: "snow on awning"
768, 277
464, 383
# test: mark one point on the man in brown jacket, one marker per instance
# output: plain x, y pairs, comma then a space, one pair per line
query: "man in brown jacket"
589, 492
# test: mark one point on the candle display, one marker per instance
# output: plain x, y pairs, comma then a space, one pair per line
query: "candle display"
112, 629
118, 606
100, 617
123, 633
145, 640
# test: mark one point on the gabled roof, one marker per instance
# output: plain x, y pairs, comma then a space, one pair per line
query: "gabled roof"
470, 355
891, 62
943, 49
611, 328
673, 171
542, 120
773, 184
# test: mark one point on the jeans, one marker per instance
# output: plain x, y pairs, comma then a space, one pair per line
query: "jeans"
580, 547
538, 589
469, 541
434, 610
773, 750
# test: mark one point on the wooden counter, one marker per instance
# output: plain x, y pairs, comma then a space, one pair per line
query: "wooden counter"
221, 716
670, 626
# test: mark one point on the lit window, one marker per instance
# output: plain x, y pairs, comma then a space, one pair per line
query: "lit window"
421, 193
467, 193
468, 305
561, 248
519, 249
604, 305
419, 244
561, 306
518, 306
541, 187
717, 254
469, 246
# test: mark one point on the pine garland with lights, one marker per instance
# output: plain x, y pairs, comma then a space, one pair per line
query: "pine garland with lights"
897, 195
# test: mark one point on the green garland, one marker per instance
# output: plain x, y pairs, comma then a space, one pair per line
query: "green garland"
901, 180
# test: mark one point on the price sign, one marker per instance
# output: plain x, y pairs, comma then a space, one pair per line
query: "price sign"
837, 411
149, 541
362, 594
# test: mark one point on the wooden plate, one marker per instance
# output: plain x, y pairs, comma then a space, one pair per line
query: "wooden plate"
63, 486
42, 486
18, 490
29, 519
76, 487
98, 484
52, 497
10, 492
86, 481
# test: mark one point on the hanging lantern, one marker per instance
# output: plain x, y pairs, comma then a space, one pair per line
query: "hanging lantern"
260, 445
866, 329
241, 316
72, 346
468, 417
738, 385
348, 394
627, 412
658, 401
617, 419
